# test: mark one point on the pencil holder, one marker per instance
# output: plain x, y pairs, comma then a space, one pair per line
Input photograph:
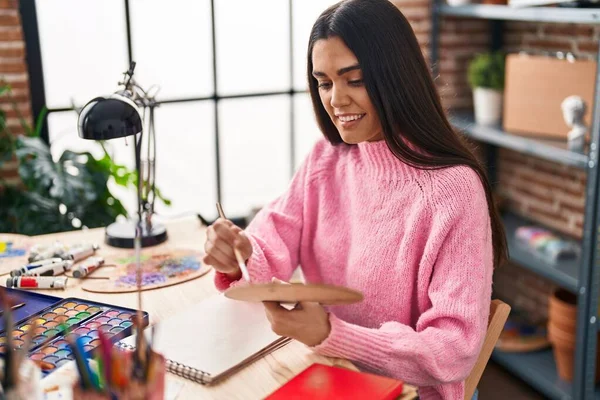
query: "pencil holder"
153, 389
29, 384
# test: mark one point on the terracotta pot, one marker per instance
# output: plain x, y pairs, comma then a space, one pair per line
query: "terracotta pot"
562, 310
563, 347
560, 337
564, 323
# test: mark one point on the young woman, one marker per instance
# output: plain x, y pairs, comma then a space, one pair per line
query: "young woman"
391, 203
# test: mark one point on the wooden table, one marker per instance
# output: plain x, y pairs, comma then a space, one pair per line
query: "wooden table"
253, 382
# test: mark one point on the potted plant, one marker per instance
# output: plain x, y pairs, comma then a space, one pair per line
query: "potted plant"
55, 196
486, 78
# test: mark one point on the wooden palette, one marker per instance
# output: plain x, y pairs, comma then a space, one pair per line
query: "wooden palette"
15, 256
160, 268
295, 292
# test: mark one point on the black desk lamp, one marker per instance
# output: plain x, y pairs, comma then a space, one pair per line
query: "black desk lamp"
118, 116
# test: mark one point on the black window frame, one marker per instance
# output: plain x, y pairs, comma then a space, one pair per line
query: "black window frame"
38, 94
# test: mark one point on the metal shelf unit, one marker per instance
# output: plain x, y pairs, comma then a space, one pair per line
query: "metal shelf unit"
533, 14
581, 276
547, 149
564, 273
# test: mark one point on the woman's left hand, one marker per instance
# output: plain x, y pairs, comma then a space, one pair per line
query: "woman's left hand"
307, 323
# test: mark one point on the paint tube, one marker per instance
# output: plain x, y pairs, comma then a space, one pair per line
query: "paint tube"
53, 269
87, 267
37, 282
34, 265
81, 252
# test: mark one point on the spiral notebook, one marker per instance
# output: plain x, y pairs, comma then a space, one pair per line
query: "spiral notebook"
213, 339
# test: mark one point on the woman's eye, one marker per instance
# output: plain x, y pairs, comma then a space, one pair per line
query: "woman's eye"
357, 82
324, 85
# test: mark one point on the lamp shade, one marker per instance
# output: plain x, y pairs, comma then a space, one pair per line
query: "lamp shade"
112, 117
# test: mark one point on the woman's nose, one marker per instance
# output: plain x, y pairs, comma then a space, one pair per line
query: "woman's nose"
339, 97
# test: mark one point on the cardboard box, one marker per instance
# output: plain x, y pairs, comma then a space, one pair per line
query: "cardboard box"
535, 88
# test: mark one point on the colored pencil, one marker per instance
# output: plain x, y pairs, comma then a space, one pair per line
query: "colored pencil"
81, 362
105, 355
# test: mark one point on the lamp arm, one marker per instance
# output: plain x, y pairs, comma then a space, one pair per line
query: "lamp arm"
146, 173
152, 161
137, 141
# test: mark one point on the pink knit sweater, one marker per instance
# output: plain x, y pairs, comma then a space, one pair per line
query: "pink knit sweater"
416, 243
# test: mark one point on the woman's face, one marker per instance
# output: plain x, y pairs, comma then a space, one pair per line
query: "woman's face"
343, 93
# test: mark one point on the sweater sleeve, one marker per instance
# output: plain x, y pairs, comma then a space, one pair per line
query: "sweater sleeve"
447, 337
275, 234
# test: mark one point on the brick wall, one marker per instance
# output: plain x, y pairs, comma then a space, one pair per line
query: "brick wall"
459, 40
13, 69
550, 193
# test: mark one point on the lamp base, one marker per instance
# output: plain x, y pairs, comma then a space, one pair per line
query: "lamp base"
122, 234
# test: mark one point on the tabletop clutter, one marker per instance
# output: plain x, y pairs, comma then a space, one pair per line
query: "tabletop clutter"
47, 262
104, 371
111, 352
48, 332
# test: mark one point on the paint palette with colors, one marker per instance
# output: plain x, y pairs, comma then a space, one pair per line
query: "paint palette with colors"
60, 317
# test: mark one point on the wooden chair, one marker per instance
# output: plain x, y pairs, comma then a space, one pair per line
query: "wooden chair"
498, 314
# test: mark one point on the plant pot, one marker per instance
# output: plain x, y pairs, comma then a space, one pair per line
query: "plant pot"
488, 106
563, 347
562, 310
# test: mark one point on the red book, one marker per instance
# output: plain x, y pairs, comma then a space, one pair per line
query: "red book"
324, 382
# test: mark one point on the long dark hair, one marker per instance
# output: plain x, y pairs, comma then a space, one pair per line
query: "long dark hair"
402, 91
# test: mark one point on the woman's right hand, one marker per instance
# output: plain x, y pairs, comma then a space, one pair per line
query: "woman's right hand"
221, 238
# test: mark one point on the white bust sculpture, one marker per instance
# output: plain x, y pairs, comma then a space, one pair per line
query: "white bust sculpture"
574, 108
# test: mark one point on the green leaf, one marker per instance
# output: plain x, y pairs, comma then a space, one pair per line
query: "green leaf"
160, 196
487, 70
39, 123
55, 193
4, 88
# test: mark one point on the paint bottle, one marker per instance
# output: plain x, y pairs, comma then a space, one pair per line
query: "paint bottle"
53, 269
24, 269
81, 252
36, 282
87, 267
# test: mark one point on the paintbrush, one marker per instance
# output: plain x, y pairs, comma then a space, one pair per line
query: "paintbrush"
102, 384
13, 308
81, 362
119, 378
21, 354
139, 356
140, 359
106, 355
238, 255
9, 355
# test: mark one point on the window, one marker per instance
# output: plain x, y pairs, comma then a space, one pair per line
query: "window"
236, 132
